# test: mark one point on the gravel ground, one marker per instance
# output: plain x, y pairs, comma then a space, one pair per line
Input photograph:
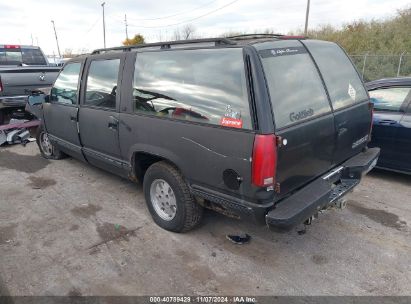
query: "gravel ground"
67, 228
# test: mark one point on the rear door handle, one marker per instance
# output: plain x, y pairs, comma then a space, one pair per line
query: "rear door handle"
73, 118
112, 123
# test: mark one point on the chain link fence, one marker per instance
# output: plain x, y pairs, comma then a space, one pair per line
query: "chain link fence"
373, 67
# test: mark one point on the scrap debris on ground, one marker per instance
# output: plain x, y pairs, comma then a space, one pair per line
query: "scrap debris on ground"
17, 131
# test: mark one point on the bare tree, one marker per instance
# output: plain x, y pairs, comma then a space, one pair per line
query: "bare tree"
188, 31
177, 34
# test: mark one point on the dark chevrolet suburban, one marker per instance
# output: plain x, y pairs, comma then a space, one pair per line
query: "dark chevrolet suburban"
270, 128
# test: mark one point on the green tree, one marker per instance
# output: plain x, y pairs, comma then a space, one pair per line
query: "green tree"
137, 39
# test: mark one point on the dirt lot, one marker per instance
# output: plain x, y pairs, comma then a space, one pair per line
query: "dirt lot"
67, 228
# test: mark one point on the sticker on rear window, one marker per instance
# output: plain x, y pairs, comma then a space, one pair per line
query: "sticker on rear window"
351, 91
282, 51
231, 122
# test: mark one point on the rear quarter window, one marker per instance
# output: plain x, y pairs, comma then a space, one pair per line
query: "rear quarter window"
340, 76
295, 87
207, 86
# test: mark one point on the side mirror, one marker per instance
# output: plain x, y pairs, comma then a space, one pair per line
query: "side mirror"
38, 99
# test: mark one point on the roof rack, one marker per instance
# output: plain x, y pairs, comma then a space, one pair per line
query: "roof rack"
169, 45
262, 36
254, 36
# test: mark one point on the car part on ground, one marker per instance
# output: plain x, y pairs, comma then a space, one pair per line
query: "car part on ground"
17, 131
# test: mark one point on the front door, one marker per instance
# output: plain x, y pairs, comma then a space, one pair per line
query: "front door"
98, 117
404, 141
61, 112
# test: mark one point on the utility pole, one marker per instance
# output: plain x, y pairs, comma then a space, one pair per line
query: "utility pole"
125, 21
104, 25
307, 14
31, 39
57, 41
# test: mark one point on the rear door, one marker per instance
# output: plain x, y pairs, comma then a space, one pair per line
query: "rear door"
302, 113
348, 96
60, 113
391, 127
99, 117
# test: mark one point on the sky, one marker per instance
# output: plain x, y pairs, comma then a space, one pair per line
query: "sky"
79, 23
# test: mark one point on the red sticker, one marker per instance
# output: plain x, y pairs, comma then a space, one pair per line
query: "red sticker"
231, 122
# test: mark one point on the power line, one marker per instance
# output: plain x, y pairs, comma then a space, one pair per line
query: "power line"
177, 14
189, 20
94, 24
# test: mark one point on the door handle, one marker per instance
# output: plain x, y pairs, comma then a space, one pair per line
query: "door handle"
387, 122
112, 123
73, 118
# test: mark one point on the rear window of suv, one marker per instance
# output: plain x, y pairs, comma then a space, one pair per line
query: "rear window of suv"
296, 90
341, 78
207, 86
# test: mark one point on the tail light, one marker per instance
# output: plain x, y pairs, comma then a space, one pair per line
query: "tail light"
264, 162
1, 86
371, 107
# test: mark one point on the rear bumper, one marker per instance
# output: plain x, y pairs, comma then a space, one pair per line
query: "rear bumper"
321, 192
13, 101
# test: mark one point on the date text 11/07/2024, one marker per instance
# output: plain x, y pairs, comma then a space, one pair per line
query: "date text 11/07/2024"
203, 299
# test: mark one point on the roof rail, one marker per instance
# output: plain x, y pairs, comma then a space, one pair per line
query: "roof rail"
255, 36
168, 45
261, 36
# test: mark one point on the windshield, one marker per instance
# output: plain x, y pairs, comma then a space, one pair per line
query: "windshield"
18, 56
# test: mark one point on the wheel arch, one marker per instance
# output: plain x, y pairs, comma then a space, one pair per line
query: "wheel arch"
142, 159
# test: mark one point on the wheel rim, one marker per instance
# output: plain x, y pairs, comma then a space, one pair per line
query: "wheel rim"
163, 199
45, 144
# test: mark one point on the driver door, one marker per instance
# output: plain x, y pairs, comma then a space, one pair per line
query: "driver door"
61, 111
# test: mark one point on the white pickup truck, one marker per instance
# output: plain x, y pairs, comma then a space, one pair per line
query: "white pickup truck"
22, 70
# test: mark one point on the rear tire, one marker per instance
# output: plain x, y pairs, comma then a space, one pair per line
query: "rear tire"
47, 149
169, 199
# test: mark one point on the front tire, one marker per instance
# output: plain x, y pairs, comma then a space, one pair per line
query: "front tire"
169, 200
47, 149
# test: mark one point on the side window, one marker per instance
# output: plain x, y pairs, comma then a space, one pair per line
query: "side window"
65, 88
391, 99
342, 80
197, 85
295, 86
101, 87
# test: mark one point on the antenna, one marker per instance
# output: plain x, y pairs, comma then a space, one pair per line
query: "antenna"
57, 41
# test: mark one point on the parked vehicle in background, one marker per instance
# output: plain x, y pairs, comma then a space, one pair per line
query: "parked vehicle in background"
55, 61
392, 122
262, 127
22, 69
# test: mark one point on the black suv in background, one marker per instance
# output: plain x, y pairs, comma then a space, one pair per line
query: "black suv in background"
269, 128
